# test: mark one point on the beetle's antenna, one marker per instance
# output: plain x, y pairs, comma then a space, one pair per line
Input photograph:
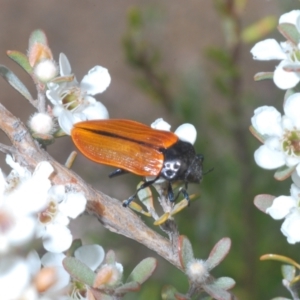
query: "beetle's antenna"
210, 170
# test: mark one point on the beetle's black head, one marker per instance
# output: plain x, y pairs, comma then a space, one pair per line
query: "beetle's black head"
182, 163
194, 171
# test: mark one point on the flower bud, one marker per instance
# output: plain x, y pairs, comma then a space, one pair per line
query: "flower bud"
197, 270
45, 70
41, 123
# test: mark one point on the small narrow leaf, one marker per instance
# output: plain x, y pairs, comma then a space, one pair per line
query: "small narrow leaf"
170, 293
216, 292
128, 287
143, 270
281, 258
290, 32
288, 272
110, 257
256, 134
218, 253
136, 207
185, 251
75, 245
21, 59
162, 219
284, 172
263, 76
263, 202
224, 283
145, 196
179, 207
37, 36
79, 270
15, 82
259, 29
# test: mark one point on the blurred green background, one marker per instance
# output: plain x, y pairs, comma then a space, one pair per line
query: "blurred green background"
185, 61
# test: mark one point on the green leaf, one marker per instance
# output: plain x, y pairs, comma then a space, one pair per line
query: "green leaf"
290, 32
185, 251
224, 283
131, 286
288, 272
263, 201
37, 36
284, 172
21, 59
143, 270
218, 253
79, 270
263, 76
15, 82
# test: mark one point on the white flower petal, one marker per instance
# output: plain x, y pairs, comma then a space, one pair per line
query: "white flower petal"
267, 121
267, 50
50, 259
268, 159
187, 133
14, 277
290, 227
23, 230
281, 207
73, 205
296, 176
290, 17
283, 79
58, 238
64, 65
292, 108
96, 81
96, 111
91, 255
34, 262
160, 124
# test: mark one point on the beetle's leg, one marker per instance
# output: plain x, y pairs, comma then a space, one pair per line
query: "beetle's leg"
117, 172
170, 193
185, 194
144, 185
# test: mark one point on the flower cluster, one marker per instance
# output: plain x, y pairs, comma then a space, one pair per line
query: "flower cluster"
280, 133
30, 208
286, 74
72, 101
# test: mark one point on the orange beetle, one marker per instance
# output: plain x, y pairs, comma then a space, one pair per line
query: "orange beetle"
137, 148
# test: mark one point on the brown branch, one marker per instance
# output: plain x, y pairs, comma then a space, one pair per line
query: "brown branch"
108, 211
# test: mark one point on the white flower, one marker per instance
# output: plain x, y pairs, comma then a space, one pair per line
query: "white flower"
22, 196
73, 101
288, 207
55, 218
287, 52
281, 134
